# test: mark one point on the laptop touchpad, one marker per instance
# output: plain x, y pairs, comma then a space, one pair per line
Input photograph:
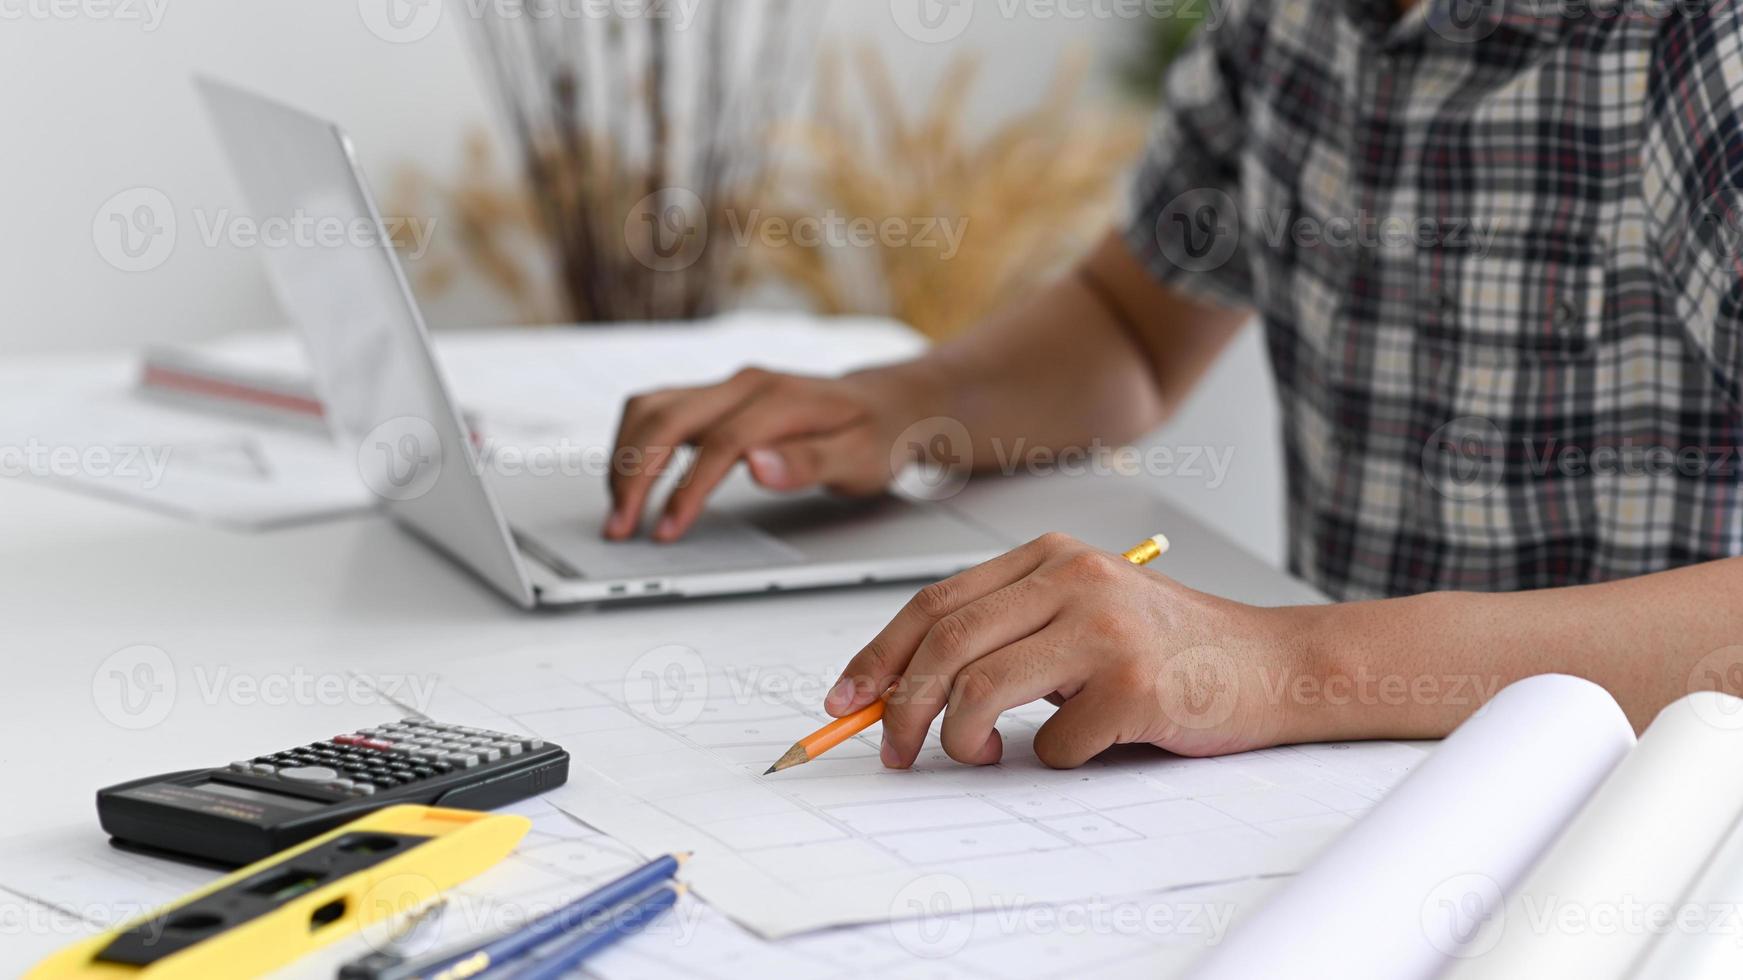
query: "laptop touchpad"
716, 543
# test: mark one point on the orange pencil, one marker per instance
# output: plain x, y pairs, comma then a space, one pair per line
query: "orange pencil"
842, 729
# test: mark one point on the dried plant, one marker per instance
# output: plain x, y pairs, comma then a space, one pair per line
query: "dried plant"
632, 132
1027, 197
497, 233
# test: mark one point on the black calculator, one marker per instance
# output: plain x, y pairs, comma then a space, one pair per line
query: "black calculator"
260, 806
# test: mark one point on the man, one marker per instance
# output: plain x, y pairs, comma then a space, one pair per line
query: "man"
1500, 232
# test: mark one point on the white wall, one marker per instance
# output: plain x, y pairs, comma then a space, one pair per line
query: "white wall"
96, 99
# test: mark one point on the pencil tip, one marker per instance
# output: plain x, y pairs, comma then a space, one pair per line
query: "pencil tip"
795, 756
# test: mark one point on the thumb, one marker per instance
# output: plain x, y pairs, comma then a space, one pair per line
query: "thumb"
835, 461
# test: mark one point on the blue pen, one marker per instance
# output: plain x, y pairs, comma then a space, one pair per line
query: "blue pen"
562, 955
474, 959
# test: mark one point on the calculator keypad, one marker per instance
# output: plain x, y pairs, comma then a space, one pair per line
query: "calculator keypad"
398, 754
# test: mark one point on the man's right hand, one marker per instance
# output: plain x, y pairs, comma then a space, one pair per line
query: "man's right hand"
794, 432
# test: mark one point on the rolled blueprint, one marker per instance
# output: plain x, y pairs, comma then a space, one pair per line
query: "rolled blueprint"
1612, 884
1706, 937
1404, 891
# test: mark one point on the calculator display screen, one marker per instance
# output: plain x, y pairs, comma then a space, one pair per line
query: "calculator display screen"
257, 796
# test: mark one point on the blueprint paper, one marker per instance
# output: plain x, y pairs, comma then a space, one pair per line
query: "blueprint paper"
1403, 893
1710, 942
669, 743
1611, 884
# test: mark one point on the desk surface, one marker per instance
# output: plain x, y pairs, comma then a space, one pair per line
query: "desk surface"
253, 623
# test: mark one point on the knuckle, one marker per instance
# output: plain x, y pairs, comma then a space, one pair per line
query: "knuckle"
935, 600
951, 635
873, 661
1104, 624
656, 418
1129, 675
1055, 541
752, 375
974, 686
1091, 566
727, 437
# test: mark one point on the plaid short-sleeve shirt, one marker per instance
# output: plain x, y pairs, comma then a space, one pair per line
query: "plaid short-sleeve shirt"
1495, 245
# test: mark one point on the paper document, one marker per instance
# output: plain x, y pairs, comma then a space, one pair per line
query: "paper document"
72, 884
1709, 943
1405, 891
670, 738
204, 467
1615, 879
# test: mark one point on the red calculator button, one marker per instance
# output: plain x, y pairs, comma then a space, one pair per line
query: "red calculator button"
350, 739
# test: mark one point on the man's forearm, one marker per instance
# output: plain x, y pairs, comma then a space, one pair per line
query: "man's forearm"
1101, 354
1417, 666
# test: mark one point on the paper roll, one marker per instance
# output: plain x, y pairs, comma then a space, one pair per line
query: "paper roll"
1706, 938
1407, 887
1612, 883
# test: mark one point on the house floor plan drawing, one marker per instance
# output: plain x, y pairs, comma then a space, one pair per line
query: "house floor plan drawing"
670, 741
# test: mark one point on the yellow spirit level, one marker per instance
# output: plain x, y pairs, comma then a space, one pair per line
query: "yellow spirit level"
294, 902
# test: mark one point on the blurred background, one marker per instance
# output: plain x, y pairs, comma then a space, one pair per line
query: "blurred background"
926, 160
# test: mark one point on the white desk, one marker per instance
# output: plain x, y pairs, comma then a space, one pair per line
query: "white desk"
82, 578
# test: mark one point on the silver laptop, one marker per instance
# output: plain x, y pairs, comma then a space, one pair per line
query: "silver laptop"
535, 539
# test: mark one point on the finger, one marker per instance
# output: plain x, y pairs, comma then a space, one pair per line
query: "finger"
881, 662
953, 644
758, 421
1028, 670
842, 461
1083, 728
653, 427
